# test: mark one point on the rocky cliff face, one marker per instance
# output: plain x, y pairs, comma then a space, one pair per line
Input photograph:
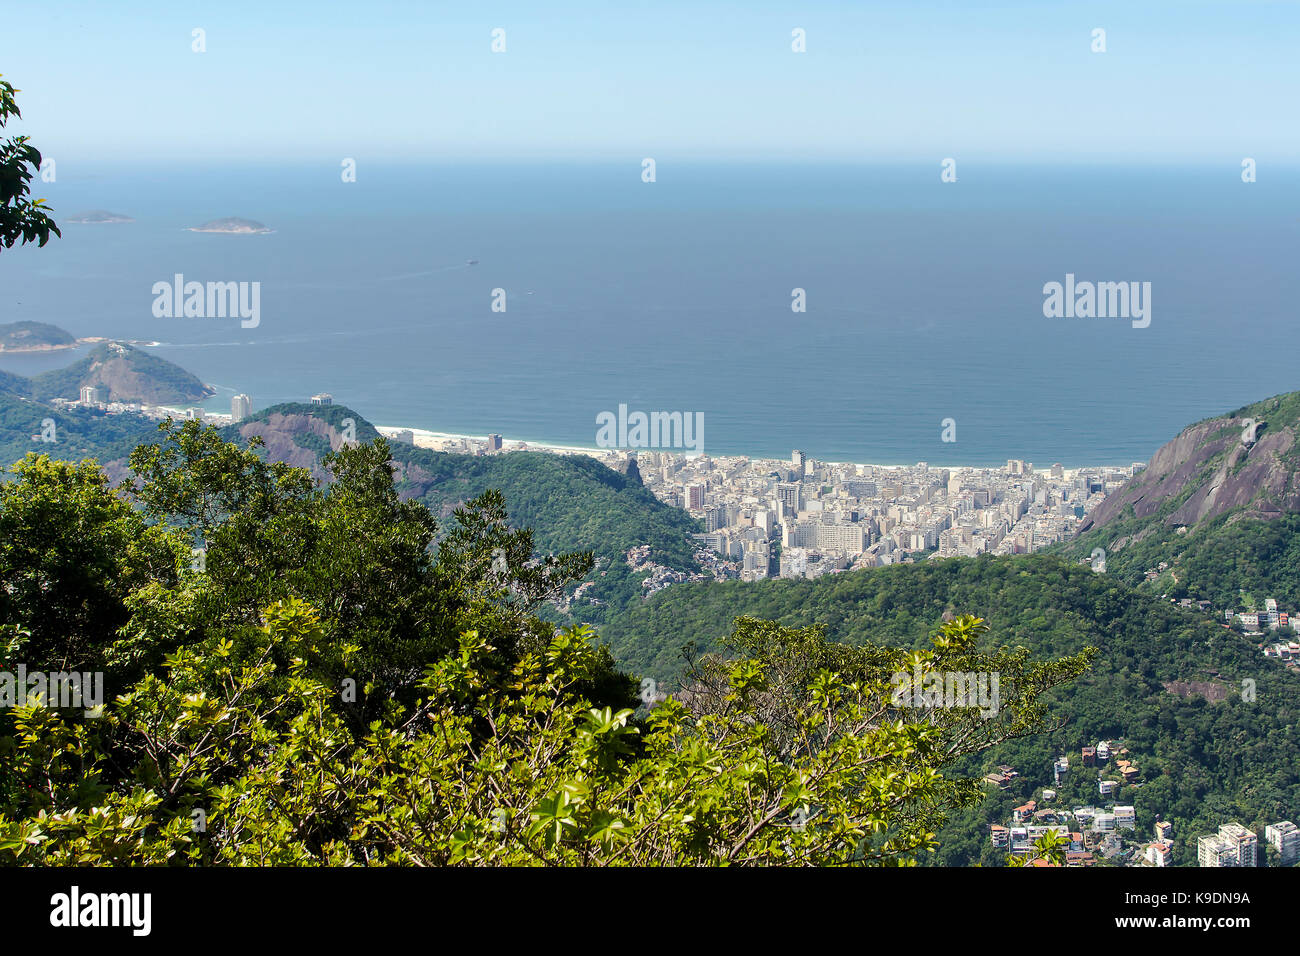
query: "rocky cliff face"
629, 468
280, 432
1244, 463
283, 434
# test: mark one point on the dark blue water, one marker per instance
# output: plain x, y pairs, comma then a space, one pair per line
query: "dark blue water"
924, 298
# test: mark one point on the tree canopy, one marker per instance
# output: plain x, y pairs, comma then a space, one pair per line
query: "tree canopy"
20, 217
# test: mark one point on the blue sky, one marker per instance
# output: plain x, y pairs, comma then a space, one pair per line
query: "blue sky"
1185, 81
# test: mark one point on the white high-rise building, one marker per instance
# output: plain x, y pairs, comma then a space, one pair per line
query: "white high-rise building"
757, 558
1285, 838
1233, 845
241, 406
1160, 853
794, 563
840, 537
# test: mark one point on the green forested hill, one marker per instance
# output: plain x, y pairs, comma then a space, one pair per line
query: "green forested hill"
79, 433
572, 502
1231, 563
14, 384
570, 499
1043, 602
129, 374
1202, 763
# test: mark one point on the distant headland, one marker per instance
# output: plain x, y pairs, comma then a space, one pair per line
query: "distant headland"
233, 224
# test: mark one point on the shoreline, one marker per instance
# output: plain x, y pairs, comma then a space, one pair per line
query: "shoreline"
521, 444
433, 440
62, 346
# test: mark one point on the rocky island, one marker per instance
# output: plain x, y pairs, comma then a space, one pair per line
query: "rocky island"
235, 225
38, 337
101, 215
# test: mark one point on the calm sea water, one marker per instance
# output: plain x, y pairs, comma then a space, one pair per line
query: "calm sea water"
924, 299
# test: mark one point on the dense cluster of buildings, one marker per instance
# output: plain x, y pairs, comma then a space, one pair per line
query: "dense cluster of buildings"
658, 576
241, 406
1085, 832
1090, 835
97, 396
1276, 628
1089, 832
804, 518
1283, 648
1266, 624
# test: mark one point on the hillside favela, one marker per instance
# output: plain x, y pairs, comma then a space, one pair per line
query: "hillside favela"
694, 437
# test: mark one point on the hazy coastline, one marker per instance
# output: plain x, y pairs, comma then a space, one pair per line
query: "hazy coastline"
436, 440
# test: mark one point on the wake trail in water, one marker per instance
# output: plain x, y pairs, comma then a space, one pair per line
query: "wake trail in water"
427, 272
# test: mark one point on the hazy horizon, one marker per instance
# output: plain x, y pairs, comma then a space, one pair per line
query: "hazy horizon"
1201, 81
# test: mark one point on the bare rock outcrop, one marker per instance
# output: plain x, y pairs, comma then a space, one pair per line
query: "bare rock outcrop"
1231, 464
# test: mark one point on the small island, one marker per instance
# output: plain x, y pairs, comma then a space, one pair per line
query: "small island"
100, 215
233, 225
38, 337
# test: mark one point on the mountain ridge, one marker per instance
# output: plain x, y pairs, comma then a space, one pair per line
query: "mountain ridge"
1218, 505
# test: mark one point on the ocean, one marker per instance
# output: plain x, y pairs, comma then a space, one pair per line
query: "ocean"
924, 299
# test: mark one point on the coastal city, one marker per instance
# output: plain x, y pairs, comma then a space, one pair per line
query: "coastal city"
801, 517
